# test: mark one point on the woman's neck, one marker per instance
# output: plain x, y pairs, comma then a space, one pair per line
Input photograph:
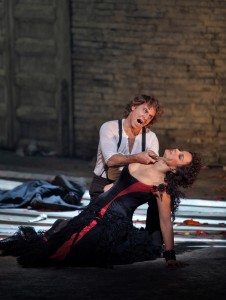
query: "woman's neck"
158, 170
152, 174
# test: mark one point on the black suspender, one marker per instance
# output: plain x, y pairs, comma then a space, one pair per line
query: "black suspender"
143, 138
120, 136
119, 133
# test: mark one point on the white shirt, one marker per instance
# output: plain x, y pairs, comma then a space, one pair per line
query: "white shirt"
109, 137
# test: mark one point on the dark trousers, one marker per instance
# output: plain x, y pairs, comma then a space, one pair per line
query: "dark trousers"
97, 186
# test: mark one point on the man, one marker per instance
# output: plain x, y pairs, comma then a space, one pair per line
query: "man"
128, 141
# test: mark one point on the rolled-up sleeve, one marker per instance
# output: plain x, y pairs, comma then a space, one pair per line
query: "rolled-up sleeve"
109, 139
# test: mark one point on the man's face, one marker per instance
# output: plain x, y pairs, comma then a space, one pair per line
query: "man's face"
142, 115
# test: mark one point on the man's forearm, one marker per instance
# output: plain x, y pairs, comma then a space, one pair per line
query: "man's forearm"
121, 160
145, 157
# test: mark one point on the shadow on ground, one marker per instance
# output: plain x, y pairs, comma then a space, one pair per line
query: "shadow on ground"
203, 278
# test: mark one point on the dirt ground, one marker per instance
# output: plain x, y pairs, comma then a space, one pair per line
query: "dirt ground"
202, 279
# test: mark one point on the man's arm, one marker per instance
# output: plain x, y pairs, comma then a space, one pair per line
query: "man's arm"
146, 158
108, 145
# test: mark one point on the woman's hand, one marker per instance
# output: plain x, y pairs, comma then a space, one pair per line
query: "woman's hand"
176, 264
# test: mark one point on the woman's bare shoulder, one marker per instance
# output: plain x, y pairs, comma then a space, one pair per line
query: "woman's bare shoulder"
134, 166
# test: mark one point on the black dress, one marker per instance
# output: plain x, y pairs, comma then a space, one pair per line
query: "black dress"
101, 235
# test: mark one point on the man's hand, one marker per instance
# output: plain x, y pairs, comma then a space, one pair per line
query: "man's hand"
146, 157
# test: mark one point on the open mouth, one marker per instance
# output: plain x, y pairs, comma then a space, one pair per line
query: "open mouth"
139, 121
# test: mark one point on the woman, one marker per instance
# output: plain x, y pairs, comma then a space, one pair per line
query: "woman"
103, 233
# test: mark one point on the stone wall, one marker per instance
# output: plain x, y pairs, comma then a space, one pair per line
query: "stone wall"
35, 71
173, 49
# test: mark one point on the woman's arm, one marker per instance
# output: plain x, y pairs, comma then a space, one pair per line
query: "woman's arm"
164, 207
107, 187
166, 224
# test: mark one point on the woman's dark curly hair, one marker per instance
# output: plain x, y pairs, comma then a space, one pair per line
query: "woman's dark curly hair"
183, 177
151, 102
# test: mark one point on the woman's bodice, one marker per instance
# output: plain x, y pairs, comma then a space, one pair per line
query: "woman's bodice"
126, 194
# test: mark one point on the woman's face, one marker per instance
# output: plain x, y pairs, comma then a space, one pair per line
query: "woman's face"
176, 158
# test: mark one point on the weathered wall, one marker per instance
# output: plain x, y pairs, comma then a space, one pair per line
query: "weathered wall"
35, 73
174, 49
